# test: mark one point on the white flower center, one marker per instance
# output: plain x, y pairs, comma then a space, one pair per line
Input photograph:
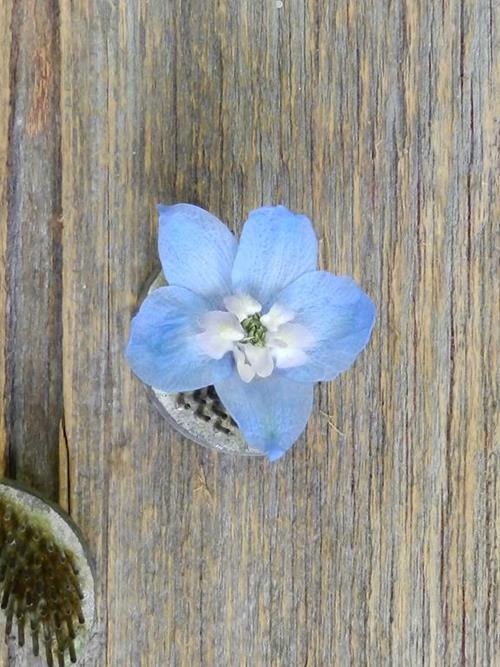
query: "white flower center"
259, 343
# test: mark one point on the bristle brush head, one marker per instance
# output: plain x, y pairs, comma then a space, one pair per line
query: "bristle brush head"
46, 584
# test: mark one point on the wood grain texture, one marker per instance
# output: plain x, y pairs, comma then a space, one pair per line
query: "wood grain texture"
5, 46
374, 541
33, 389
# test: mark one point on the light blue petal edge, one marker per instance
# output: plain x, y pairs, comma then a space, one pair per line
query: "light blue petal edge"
162, 349
196, 250
276, 247
271, 412
340, 316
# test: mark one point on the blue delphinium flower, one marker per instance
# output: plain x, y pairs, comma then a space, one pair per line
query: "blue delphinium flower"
256, 319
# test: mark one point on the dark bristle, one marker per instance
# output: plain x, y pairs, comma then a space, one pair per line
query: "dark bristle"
48, 655
207, 406
71, 631
77, 588
198, 396
20, 631
10, 615
36, 645
38, 584
72, 652
199, 412
219, 426
211, 393
6, 593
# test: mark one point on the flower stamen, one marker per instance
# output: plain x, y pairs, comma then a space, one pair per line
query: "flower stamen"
255, 330
259, 342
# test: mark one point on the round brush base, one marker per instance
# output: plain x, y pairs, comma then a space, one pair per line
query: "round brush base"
55, 525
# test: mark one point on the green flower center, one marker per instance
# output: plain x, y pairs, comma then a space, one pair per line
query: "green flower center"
255, 330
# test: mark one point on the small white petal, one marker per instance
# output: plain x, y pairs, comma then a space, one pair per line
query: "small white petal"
213, 345
223, 324
289, 357
289, 344
260, 359
242, 305
247, 373
277, 316
292, 335
244, 369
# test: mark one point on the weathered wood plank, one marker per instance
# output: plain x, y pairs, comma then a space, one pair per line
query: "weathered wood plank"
30, 244
33, 335
5, 47
374, 541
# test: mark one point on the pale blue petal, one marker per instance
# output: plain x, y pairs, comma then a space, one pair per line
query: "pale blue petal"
337, 313
276, 247
271, 412
196, 250
162, 348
